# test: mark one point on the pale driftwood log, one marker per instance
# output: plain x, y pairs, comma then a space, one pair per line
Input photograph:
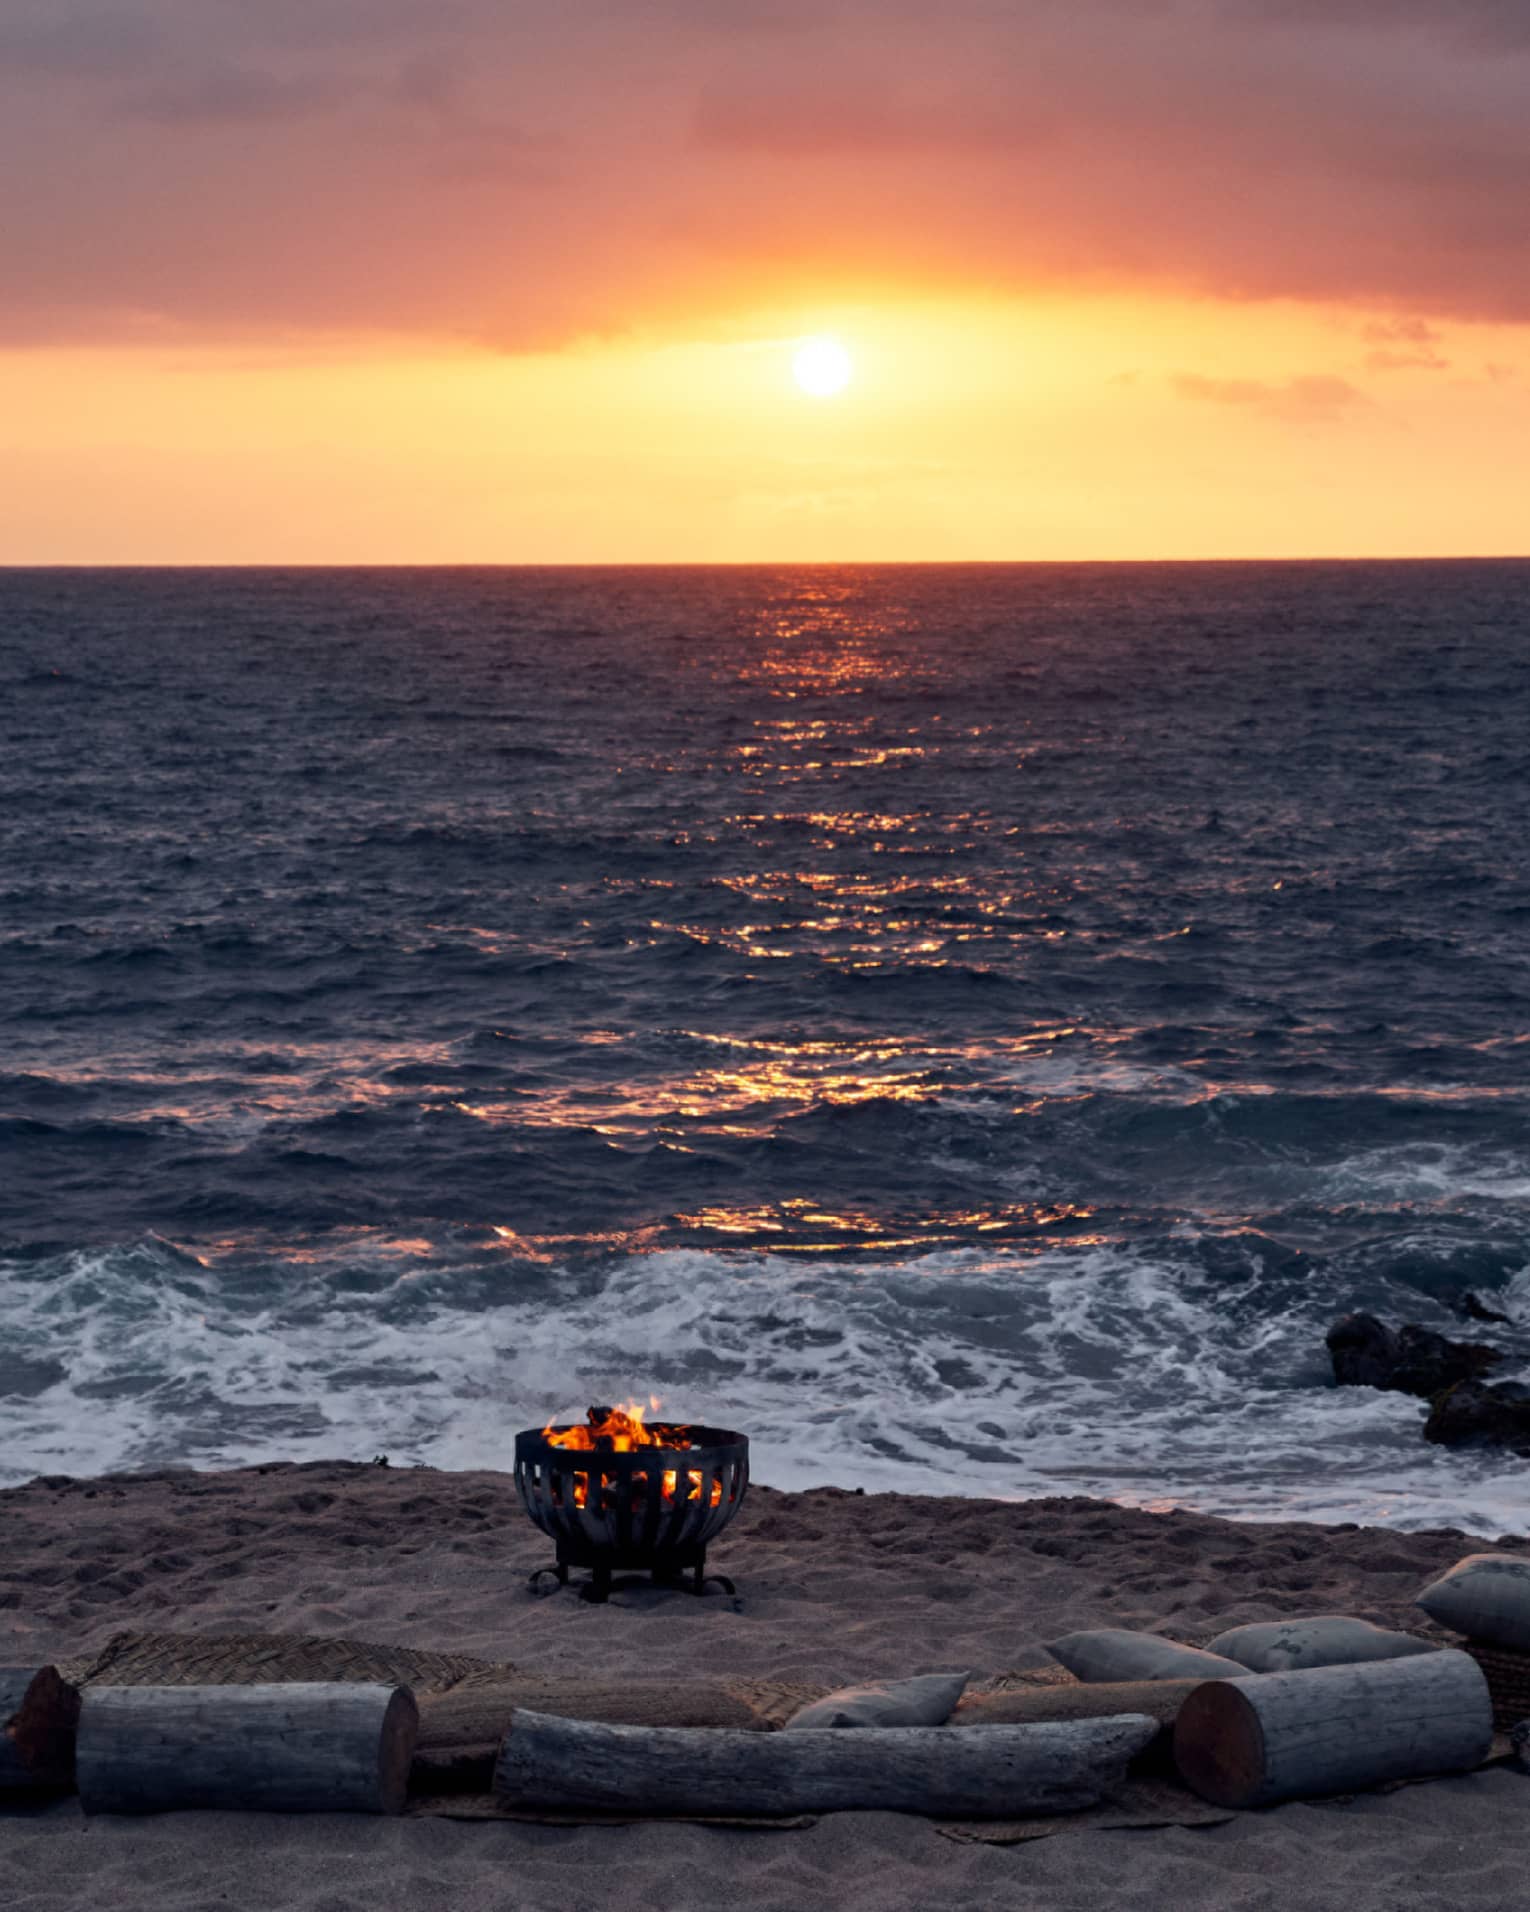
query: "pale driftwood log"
1329, 1729
38, 1712
982, 1772
322, 1747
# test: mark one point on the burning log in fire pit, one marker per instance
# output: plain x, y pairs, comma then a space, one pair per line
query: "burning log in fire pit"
618, 1494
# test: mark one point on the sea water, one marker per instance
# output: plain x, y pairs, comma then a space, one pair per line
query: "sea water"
971, 1028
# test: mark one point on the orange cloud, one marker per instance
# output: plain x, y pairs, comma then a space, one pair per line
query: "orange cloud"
1313, 399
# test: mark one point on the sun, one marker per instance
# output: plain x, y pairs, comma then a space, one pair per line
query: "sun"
822, 367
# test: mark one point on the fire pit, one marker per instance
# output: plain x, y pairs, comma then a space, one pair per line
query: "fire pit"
617, 1495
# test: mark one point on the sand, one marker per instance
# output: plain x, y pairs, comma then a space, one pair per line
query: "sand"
835, 1586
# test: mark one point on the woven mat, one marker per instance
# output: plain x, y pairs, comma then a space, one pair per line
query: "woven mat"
247, 1659
1144, 1802
1015, 1704
1508, 1678
1139, 1803
485, 1806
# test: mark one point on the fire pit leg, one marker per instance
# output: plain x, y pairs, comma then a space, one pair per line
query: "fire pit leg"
597, 1589
559, 1573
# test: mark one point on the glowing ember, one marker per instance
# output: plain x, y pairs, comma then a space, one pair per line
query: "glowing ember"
623, 1430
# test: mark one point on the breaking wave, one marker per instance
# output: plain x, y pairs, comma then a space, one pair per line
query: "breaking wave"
1153, 1377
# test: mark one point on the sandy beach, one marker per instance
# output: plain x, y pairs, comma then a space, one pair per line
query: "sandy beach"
834, 1586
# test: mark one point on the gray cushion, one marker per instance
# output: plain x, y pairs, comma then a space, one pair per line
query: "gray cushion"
928, 1700
1328, 1639
1486, 1597
1115, 1653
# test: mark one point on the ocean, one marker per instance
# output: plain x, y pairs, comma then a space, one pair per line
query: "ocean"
971, 1028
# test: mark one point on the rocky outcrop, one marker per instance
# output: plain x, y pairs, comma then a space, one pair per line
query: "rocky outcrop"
1473, 1308
1472, 1414
1464, 1410
1407, 1360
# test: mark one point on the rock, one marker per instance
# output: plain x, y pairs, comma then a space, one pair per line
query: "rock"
1472, 1413
1474, 1308
1412, 1360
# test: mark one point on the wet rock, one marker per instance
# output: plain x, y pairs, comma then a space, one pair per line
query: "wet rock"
1474, 1308
1472, 1414
1408, 1360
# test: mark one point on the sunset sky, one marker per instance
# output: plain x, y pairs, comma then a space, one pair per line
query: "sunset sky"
480, 280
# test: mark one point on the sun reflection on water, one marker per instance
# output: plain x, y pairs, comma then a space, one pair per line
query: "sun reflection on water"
842, 1229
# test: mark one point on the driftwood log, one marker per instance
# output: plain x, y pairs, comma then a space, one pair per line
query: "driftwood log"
339, 1746
984, 1772
1329, 1729
38, 1713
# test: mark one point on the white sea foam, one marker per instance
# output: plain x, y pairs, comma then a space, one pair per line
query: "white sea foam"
1427, 1172
1080, 1071
1085, 1370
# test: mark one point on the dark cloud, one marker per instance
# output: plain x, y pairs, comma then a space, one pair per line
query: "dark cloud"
221, 95
428, 82
1487, 25
86, 44
856, 125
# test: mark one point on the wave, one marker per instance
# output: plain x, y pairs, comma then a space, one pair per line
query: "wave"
1151, 1376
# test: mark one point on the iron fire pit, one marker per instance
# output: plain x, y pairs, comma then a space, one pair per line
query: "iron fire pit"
648, 1508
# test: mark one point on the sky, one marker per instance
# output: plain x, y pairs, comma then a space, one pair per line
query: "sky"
486, 281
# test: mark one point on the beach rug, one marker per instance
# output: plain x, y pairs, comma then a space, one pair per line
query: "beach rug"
1152, 1801
1014, 1700
247, 1659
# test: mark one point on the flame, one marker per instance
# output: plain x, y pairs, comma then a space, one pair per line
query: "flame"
616, 1430
624, 1430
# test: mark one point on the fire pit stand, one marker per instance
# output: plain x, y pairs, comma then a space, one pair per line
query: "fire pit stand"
686, 1569
651, 1509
